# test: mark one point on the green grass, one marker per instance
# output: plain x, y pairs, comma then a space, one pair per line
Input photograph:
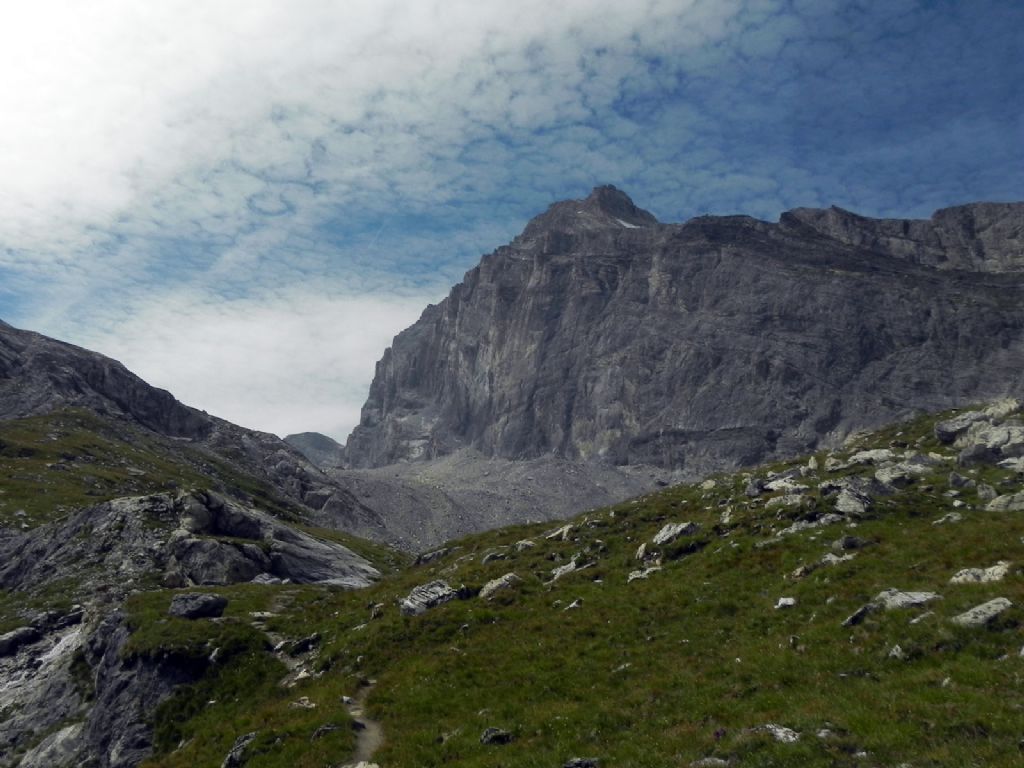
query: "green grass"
685, 664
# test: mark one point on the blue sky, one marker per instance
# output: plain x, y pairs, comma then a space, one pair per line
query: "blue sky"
245, 201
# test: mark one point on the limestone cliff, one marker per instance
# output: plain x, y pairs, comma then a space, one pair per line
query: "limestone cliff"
600, 333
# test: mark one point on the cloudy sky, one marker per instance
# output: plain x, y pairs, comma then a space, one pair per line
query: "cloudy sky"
244, 201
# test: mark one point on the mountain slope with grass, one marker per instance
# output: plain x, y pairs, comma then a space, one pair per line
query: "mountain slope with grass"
859, 607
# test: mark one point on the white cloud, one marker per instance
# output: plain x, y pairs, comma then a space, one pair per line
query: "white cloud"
300, 362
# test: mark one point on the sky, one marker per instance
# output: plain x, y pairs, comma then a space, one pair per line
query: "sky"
244, 202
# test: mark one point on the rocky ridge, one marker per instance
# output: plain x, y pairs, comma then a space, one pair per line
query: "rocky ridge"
600, 334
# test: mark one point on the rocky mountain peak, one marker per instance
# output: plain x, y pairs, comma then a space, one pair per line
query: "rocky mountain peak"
606, 207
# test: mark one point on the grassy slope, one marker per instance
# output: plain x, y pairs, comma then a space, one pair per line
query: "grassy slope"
653, 673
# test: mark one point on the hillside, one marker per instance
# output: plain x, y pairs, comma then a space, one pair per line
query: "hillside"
855, 607
602, 335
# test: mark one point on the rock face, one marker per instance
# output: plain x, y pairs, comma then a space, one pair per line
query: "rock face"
601, 334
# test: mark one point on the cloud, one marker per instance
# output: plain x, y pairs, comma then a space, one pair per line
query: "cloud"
300, 362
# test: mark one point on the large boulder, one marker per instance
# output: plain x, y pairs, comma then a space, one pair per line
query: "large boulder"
198, 606
425, 597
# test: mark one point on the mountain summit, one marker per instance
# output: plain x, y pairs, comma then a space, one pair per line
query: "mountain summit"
600, 334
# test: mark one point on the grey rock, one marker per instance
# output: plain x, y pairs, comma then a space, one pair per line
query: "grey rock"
949, 430
425, 597
709, 762
849, 542
995, 572
236, 757
507, 581
780, 733
429, 557
582, 762
1010, 502
672, 531
894, 599
197, 606
851, 503
11, 642
982, 614
494, 735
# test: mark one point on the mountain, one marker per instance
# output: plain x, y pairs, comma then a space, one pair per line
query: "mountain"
600, 334
111, 488
855, 607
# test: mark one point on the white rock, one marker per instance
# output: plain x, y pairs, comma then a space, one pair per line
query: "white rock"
1010, 502
786, 485
980, 615
635, 575
641, 551
852, 503
781, 733
806, 525
708, 485
996, 572
873, 456
951, 517
894, 598
785, 602
562, 570
507, 581
561, 534
672, 531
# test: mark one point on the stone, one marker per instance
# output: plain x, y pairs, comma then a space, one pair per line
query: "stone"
780, 733
785, 602
11, 642
709, 762
524, 544
507, 581
949, 430
872, 456
786, 485
642, 574
1010, 502
563, 570
844, 543
559, 534
236, 757
949, 517
788, 500
672, 531
806, 525
895, 599
494, 735
582, 762
851, 503
995, 572
980, 615
430, 557
197, 606
425, 597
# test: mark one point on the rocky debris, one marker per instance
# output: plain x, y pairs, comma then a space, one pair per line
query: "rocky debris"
11, 642
494, 735
582, 762
236, 757
425, 597
672, 531
996, 572
507, 581
788, 500
845, 543
303, 702
710, 762
197, 606
1010, 502
871, 456
982, 614
830, 559
780, 733
523, 545
787, 486
785, 602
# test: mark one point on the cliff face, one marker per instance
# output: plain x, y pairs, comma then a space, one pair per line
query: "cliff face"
601, 334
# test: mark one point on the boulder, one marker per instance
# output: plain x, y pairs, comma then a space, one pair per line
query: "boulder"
891, 599
507, 581
426, 596
980, 615
236, 757
996, 572
197, 606
851, 503
1010, 502
949, 430
780, 733
672, 531
495, 736
12, 641
582, 762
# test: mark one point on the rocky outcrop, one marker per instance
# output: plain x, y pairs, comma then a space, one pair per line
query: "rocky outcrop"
320, 449
601, 334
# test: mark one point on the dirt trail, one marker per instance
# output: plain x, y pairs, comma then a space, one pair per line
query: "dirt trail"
371, 735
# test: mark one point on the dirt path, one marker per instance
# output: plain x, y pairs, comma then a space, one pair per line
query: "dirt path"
371, 735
